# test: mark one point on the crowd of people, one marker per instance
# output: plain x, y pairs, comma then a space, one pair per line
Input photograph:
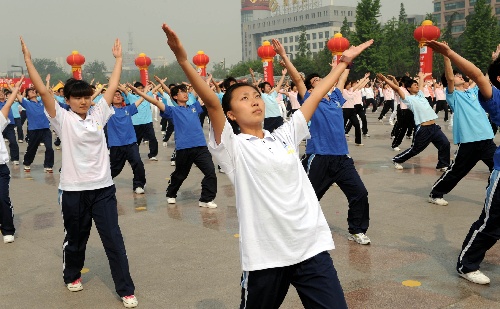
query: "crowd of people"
256, 130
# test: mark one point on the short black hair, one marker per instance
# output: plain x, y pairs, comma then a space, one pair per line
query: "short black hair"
138, 84
307, 80
443, 78
171, 85
494, 72
262, 85
175, 90
408, 81
77, 88
227, 82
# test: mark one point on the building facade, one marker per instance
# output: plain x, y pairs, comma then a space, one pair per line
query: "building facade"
443, 9
264, 20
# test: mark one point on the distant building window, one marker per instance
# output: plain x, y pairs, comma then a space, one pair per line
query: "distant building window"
454, 5
319, 13
296, 38
286, 49
313, 15
327, 34
335, 12
308, 36
457, 17
307, 16
291, 39
437, 6
321, 45
315, 46
291, 48
458, 28
314, 36
320, 35
309, 45
285, 40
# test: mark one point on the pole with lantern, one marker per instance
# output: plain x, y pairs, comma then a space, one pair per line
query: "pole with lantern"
426, 32
143, 62
76, 60
267, 53
337, 45
201, 60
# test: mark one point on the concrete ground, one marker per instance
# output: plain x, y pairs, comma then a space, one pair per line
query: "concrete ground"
183, 256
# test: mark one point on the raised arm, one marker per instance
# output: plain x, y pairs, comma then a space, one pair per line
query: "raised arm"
448, 73
391, 84
212, 103
465, 66
47, 96
47, 81
280, 82
151, 100
326, 83
421, 79
254, 82
6, 108
362, 82
292, 71
343, 79
114, 80
97, 91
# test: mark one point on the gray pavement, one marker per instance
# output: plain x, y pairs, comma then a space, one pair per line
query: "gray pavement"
183, 256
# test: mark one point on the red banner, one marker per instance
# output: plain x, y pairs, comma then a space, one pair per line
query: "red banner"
4, 81
250, 5
268, 72
426, 60
144, 76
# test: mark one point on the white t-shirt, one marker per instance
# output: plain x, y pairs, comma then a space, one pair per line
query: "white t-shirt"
280, 220
4, 155
369, 93
85, 158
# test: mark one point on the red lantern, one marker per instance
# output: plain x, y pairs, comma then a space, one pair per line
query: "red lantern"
267, 53
75, 60
426, 32
143, 62
337, 45
201, 60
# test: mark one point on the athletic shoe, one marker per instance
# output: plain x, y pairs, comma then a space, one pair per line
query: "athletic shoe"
15, 162
442, 169
391, 122
20, 141
408, 137
163, 132
139, 190
27, 168
48, 170
359, 144
153, 159
438, 201
130, 301
7, 239
172, 163
380, 120
360, 238
476, 277
58, 147
146, 142
75, 286
210, 204
396, 149
347, 135
171, 200
366, 135
397, 166
42, 144
165, 144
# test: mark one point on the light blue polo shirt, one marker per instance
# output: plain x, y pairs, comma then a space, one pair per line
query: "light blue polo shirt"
492, 107
15, 109
144, 115
272, 107
188, 130
420, 107
470, 123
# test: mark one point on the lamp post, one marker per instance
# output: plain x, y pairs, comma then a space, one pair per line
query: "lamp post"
18, 66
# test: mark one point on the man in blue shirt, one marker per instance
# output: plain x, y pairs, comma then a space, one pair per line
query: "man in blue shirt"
485, 232
471, 132
122, 142
190, 145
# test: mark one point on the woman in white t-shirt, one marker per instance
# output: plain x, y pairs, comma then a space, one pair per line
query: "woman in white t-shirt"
284, 236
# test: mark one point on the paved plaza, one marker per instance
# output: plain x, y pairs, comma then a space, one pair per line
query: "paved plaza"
184, 256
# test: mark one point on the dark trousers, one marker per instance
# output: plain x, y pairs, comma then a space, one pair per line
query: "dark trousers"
202, 158
6, 209
10, 134
203, 115
483, 233
350, 115
404, 126
442, 105
372, 102
35, 137
358, 108
119, 154
19, 127
424, 135
272, 123
466, 157
147, 132
169, 130
324, 170
78, 210
163, 124
389, 104
315, 280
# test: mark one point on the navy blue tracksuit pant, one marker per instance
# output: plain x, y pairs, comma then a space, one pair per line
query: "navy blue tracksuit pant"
10, 135
118, 155
483, 233
147, 132
6, 209
78, 210
423, 136
466, 157
35, 137
324, 170
315, 280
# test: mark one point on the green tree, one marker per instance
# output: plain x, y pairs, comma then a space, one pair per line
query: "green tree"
345, 30
95, 70
304, 50
46, 66
481, 35
242, 68
402, 14
172, 71
218, 70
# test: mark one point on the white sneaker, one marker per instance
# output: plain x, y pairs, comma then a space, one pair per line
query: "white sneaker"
171, 200
391, 122
130, 301
139, 190
75, 286
347, 135
153, 159
366, 135
396, 149
15, 162
360, 238
397, 166
7, 239
58, 147
146, 142
438, 201
27, 168
42, 144
165, 144
443, 169
210, 204
20, 141
359, 144
172, 163
163, 132
476, 277
408, 137
48, 170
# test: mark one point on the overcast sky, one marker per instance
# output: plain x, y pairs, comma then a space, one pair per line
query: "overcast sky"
53, 28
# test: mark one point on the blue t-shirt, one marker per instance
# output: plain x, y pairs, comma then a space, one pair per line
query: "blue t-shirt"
11, 116
492, 107
272, 107
470, 123
188, 130
327, 126
120, 128
35, 114
60, 99
420, 107
144, 114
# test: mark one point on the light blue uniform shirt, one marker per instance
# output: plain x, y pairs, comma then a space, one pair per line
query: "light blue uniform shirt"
492, 107
420, 107
144, 115
470, 123
272, 107
15, 109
